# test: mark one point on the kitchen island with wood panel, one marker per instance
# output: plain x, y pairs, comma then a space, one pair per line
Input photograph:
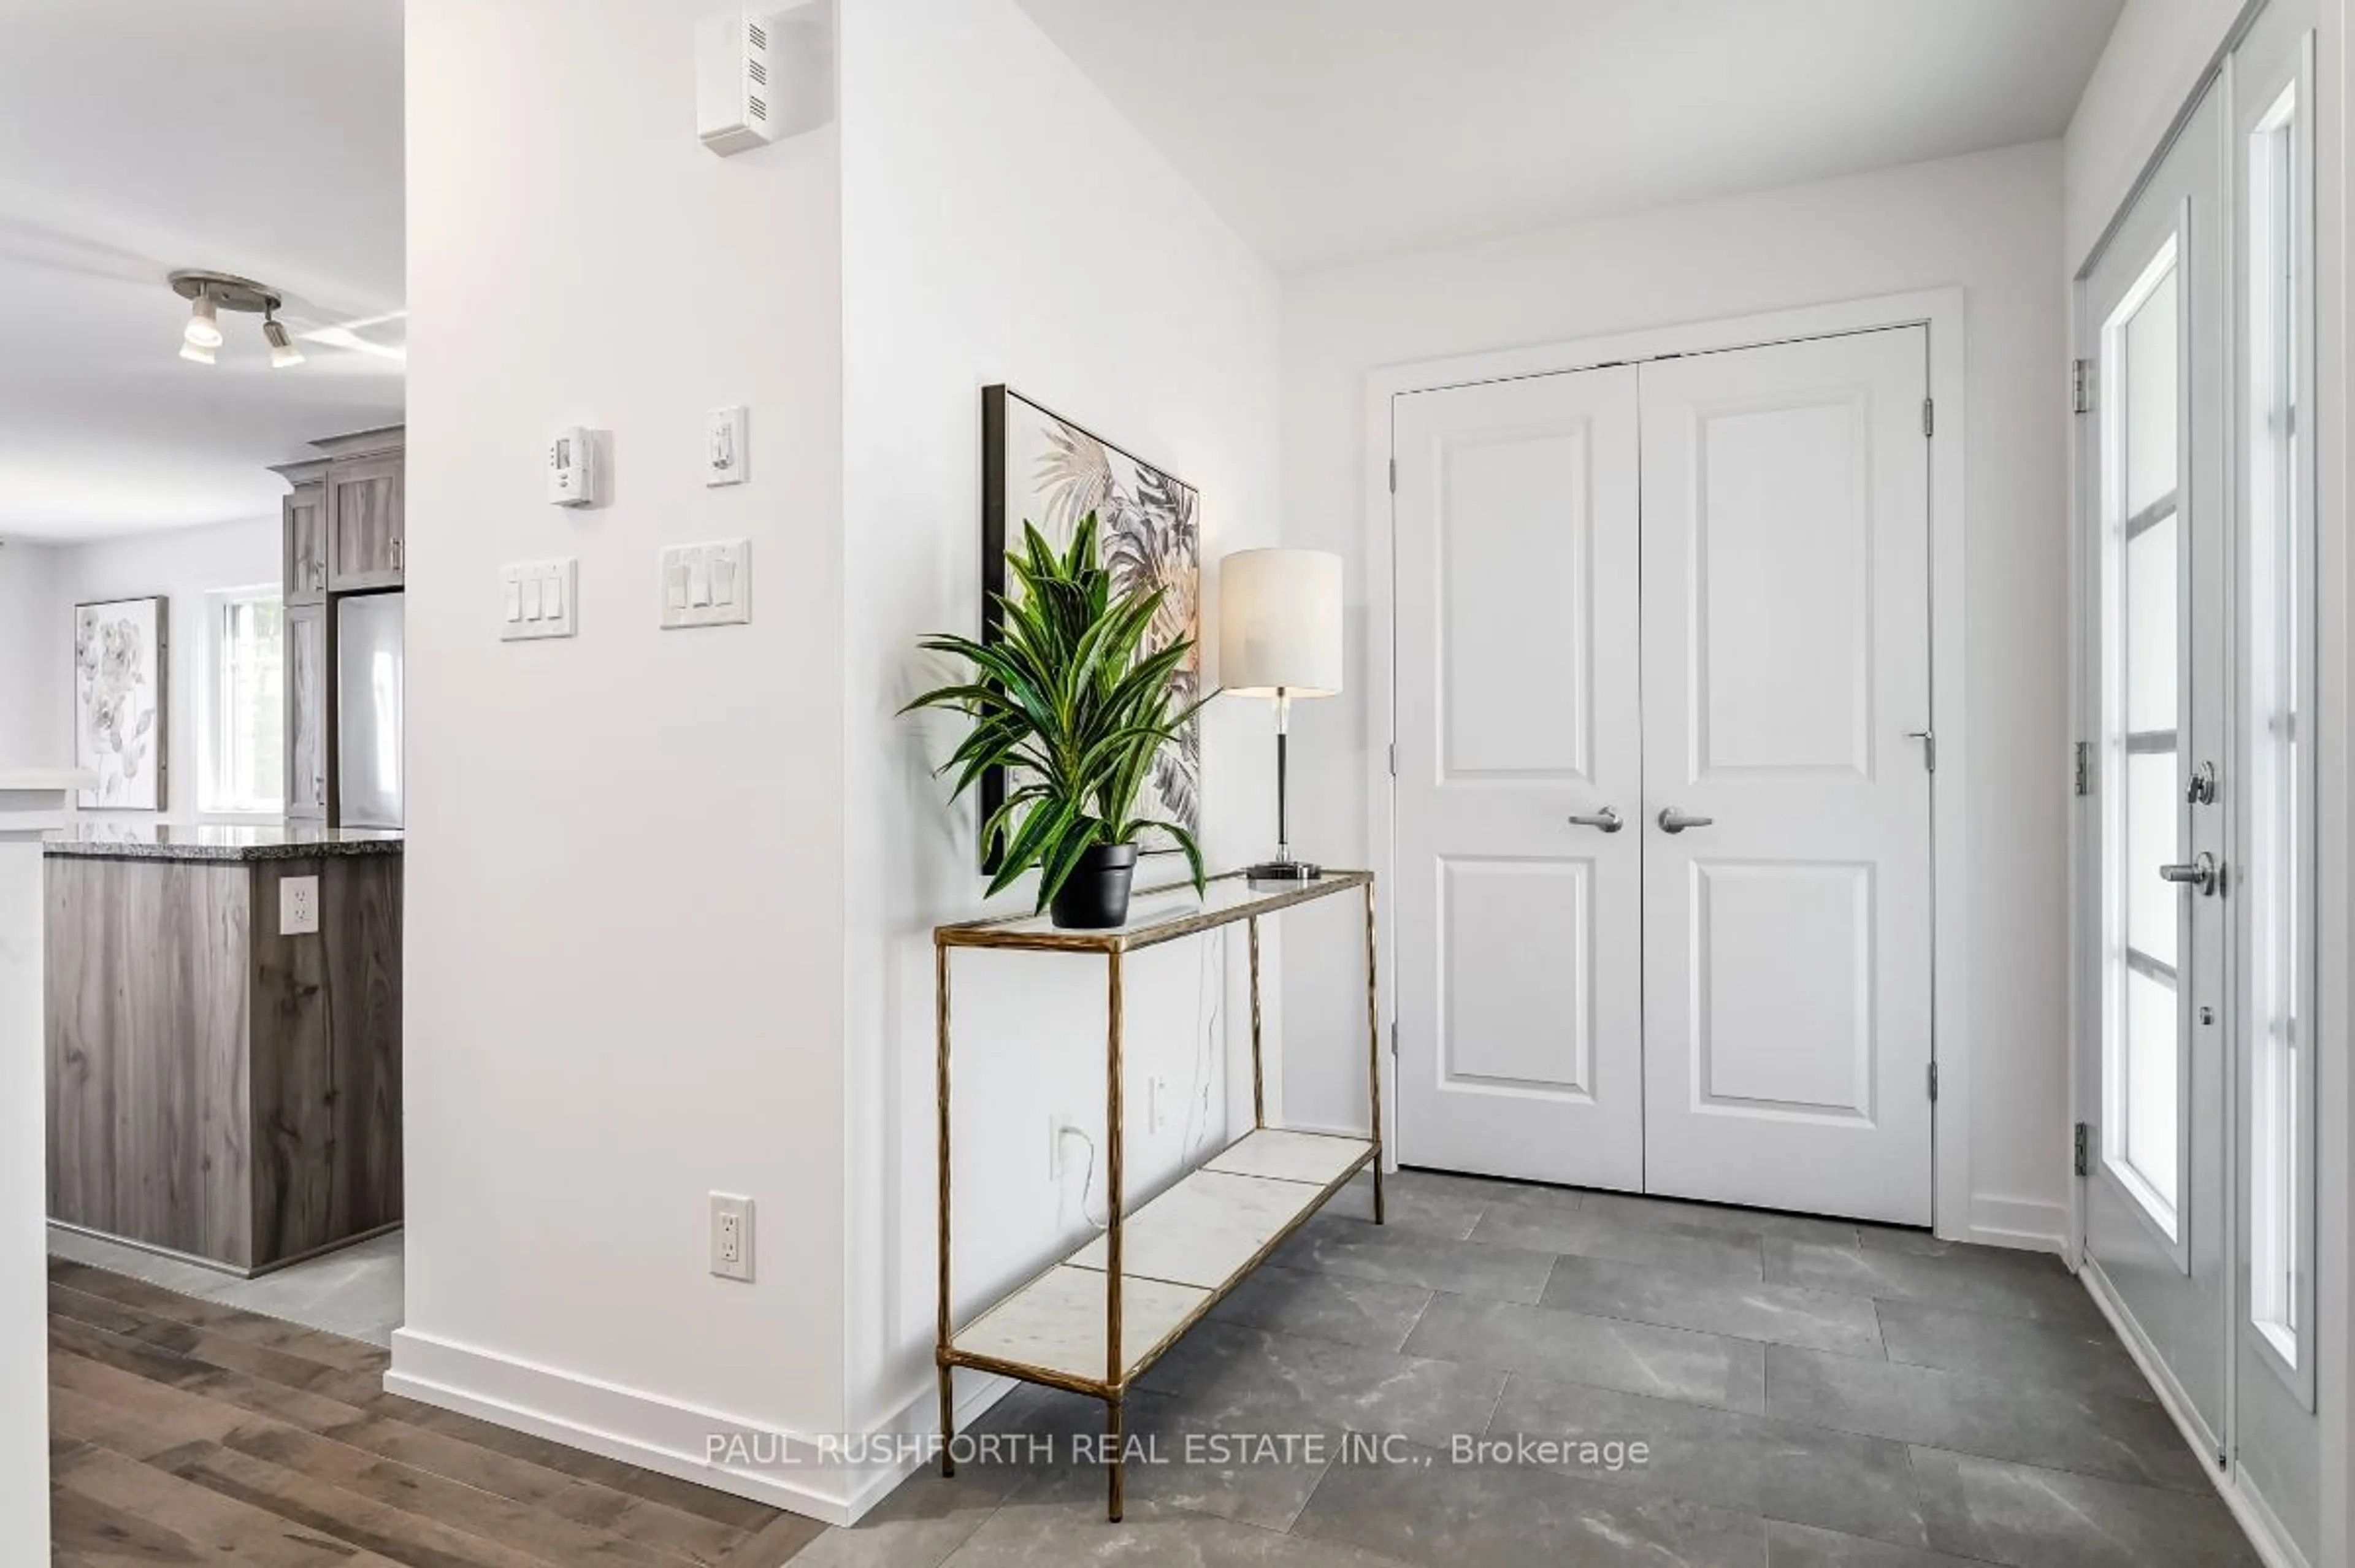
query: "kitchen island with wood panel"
223, 1083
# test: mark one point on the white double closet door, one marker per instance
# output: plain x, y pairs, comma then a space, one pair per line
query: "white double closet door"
1662, 812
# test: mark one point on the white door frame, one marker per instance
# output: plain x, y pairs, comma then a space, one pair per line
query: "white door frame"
1942, 312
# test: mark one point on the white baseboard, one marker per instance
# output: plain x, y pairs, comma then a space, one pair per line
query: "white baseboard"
635, 1427
919, 1415
671, 1436
2248, 1508
2026, 1223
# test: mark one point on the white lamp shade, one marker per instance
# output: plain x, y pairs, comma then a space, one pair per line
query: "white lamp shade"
1280, 623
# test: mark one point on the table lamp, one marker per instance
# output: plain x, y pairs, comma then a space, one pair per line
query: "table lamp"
1280, 637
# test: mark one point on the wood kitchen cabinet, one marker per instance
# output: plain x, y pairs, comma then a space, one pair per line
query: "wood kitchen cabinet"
364, 499
310, 713
305, 515
231, 1093
344, 535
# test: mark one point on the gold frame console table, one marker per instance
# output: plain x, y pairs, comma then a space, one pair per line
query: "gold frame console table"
1158, 1271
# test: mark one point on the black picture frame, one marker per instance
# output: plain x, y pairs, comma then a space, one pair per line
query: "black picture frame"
1001, 405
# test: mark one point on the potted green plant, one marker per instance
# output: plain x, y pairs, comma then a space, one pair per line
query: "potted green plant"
1067, 700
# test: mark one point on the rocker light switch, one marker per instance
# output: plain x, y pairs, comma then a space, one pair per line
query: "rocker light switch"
724, 452
536, 599
707, 584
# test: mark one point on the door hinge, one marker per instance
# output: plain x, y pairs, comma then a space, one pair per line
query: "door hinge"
1393, 759
2085, 767
1933, 1081
1929, 416
2080, 386
1393, 476
1393, 1039
2079, 1159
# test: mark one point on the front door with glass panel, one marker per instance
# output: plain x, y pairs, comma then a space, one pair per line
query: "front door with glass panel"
2154, 312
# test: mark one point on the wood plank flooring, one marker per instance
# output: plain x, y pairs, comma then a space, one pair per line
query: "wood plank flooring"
184, 1431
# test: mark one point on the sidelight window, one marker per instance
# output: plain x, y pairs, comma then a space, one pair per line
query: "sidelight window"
2278, 885
2144, 544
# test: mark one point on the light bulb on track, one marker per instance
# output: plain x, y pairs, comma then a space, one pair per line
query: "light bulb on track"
283, 352
203, 330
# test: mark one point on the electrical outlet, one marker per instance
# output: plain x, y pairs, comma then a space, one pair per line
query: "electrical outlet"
1158, 1100
731, 1236
1058, 1123
298, 906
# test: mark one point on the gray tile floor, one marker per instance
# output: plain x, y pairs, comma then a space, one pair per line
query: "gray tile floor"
355, 1291
1813, 1395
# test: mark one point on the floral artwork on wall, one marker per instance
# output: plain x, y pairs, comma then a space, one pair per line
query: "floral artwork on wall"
1040, 467
119, 668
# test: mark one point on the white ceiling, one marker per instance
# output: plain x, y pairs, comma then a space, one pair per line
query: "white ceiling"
259, 138
1332, 131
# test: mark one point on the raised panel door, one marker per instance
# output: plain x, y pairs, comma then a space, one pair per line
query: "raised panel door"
1519, 773
1786, 831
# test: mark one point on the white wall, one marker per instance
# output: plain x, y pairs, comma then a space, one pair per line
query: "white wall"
35, 728
1003, 223
624, 872
24, 1180
1991, 223
2154, 55
184, 565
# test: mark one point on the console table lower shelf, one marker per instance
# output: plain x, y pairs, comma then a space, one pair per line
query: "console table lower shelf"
1186, 1250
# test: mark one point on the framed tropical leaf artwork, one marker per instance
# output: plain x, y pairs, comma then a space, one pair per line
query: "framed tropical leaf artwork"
121, 664
1041, 468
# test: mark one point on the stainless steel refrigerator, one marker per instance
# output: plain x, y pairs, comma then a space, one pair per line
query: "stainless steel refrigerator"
367, 709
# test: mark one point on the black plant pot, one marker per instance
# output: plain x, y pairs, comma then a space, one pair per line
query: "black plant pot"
1094, 897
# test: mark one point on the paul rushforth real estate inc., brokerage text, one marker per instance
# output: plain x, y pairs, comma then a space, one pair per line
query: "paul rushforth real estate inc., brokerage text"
766, 1450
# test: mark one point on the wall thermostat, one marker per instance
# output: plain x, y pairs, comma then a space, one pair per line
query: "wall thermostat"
572, 467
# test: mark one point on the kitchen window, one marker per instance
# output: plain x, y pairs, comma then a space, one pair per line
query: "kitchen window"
242, 767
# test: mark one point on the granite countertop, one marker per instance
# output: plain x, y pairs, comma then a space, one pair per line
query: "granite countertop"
144, 841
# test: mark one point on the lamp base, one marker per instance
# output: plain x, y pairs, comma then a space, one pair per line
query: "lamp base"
1282, 871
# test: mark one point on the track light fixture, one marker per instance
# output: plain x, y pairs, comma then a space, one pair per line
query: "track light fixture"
209, 294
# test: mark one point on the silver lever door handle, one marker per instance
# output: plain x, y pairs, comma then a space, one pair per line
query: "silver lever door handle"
2199, 873
1607, 820
1675, 821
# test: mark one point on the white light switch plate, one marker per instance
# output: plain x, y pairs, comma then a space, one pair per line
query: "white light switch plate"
725, 453
706, 584
298, 906
538, 599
